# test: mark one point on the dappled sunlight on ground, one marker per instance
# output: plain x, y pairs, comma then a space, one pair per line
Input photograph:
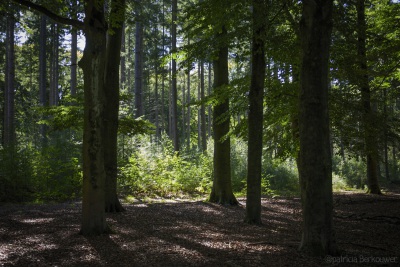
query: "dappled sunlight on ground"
192, 233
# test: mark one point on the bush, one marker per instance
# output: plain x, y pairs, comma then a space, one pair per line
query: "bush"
281, 177
156, 170
16, 183
351, 171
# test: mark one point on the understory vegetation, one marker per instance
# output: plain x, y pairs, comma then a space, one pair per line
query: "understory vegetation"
149, 168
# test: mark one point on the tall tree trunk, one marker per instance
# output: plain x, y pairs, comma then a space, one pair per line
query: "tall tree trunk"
123, 59
256, 100
198, 110
92, 64
42, 73
54, 66
385, 132
189, 107
9, 92
139, 68
370, 138
163, 72
222, 183
209, 93
174, 93
202, 110
74, 51
113, 59
315, 162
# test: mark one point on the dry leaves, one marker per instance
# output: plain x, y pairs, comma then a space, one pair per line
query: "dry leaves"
198, 234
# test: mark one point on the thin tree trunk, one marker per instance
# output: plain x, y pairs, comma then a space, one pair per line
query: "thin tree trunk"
42, 73
198, 109
222, 182
202, 110
9, 93
163, 72
256, 100
123, 59
386, 144
315, 162
369, 129
54, 66
189, 107
174, 90
183, 112
74, 50
139, 68
209, 93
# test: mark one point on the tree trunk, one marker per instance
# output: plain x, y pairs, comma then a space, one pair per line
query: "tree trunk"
9, 92
163, 72
74, 51
315, 162
123, 59
371, 140
202, 110
113, 59
222, 185
385, 138
256, 100
198, 110
189, 107
92, 64
209, 93
174, 93
139, 68
42, 73
54, 66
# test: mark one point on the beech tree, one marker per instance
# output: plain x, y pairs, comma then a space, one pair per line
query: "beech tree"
255, 125
113, 59
94, 66
370, 132
222, 186
315, 162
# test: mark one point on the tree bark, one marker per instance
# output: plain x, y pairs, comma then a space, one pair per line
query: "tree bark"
174, 93
42, 73
111, 105
9, 137
222, 182
123, 58
315, 162
209, 93
370, 138
74, 51
92, 64
54, 66
189, 107
139, 68
255, 118
202, 110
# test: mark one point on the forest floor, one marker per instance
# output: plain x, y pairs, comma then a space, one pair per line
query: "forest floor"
198, 233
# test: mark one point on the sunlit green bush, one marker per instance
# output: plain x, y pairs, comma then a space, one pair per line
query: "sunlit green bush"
352, 171
156, 170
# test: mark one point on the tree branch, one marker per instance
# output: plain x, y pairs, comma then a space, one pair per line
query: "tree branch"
41, 9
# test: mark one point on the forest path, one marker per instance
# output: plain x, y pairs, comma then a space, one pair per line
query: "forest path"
196, 233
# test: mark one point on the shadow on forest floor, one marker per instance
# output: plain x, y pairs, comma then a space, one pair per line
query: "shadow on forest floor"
199, 234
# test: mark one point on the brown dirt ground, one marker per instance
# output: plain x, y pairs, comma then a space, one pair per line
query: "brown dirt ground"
188, 233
